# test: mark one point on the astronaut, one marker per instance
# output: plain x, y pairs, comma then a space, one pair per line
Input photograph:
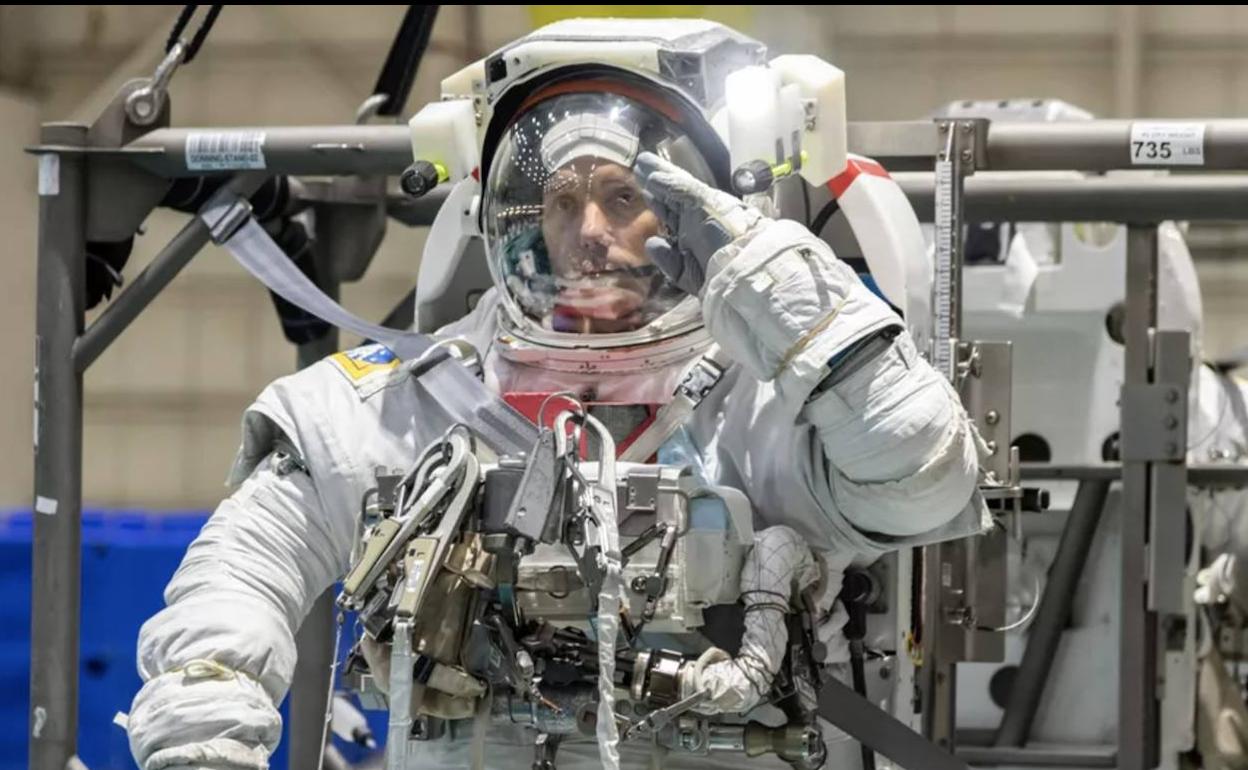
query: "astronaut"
617, 259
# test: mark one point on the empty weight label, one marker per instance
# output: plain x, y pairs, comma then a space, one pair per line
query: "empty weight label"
1168, 144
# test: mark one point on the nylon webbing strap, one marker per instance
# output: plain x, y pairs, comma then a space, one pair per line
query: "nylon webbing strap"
696, 385
462, 396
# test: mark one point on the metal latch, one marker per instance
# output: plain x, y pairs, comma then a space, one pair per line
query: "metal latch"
1157, 431
641, 489
224, 213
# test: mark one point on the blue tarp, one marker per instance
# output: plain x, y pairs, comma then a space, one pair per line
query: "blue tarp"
127, 558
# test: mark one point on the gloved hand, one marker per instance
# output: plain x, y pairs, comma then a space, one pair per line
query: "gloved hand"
831, 615
775, 297
1217, 583
700, 220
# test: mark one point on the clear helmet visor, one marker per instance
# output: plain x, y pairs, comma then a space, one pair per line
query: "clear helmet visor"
565, 220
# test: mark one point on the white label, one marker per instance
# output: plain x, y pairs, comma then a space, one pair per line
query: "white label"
34, 420
41, 719
49, 175
224, 150
122, 720
1168, 144
45, 505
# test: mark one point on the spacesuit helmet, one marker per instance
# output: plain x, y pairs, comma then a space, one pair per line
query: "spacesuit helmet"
570, 107
566, 221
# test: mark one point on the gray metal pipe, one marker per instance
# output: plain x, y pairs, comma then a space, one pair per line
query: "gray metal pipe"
142, 290
900, 145
387, 149
314, 643
1137, 674
1094, 145
1048, 756
1050, 620
1102, 145
145, 287
1203, 476
303, 150
1017, 198
56, 559
310, 684
1097, 145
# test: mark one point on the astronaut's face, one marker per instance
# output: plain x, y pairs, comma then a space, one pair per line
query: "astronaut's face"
566, 223
595, 224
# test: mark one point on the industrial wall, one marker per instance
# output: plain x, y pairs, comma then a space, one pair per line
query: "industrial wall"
163, 405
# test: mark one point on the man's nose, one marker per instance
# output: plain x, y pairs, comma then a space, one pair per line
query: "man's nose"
593, 223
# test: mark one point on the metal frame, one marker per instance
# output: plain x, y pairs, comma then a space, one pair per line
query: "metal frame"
109, 157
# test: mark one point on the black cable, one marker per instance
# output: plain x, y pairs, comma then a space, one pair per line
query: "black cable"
825, 213
805, 200
179, 26
202, 34
175, 34
398, 73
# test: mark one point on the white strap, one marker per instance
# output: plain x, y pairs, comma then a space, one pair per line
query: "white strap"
231, 225
461, 395
702, 378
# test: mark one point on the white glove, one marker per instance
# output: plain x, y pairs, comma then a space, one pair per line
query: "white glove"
774, 296
700, 220
1216, 583
779, 566
831, 615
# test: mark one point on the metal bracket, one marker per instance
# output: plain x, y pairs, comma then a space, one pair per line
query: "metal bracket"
1156, 427
224, 213
642, 489
700, 380
984, 384
143, 106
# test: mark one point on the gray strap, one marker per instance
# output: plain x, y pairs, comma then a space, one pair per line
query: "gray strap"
463, 397
232, 226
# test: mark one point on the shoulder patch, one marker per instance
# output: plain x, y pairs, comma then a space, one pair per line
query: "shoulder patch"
359, 363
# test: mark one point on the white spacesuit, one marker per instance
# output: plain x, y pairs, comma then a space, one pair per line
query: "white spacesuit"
829, 420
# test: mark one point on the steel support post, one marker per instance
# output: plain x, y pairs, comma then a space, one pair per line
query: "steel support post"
1137, 707
955, 160
56, 558
314, 644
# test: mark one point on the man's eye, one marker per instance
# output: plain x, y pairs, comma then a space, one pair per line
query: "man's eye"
624, 200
